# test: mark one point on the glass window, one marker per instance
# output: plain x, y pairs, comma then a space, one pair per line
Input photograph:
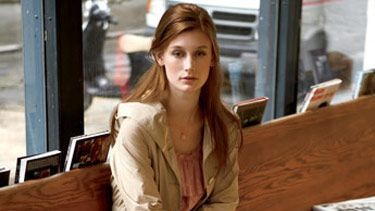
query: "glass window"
115, 47
12, 106
106, 70
337, 39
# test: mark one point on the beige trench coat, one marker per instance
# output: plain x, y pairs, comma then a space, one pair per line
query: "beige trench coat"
144, 168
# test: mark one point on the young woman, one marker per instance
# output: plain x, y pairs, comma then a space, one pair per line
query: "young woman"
176, 144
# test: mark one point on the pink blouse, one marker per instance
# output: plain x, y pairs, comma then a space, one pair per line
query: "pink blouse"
192, 190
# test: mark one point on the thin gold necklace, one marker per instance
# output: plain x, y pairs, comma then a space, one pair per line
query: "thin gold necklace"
183, 131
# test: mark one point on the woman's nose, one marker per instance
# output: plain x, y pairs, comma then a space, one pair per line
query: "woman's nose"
189, 63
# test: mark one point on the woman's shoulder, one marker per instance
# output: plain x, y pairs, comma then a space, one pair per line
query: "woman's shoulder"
139, 118
140, 112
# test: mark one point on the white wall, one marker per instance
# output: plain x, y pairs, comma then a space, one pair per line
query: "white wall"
369, 56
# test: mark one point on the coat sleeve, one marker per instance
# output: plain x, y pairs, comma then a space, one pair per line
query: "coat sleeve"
225, 195
132, 175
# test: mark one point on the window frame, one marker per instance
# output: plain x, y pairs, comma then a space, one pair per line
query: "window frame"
52, 44
278, 56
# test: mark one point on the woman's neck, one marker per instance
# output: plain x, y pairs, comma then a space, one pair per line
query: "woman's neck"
184, 120
183, 105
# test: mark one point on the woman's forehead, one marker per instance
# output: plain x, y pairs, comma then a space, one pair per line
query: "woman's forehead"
191, 39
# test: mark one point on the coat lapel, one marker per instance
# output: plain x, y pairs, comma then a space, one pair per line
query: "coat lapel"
170, 154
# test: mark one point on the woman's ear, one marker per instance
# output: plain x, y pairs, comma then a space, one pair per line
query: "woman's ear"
159, 59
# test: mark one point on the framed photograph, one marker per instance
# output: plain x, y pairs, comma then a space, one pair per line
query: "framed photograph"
37, 166
4, 176
365, 84
250, 111
320, 95
87, 150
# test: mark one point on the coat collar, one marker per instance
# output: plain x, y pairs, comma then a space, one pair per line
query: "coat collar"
152, 116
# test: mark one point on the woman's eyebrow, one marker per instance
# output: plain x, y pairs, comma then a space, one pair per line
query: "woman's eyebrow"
176, 47
203, 46
181, 47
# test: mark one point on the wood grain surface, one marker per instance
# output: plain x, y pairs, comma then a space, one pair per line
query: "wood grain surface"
297, 161
80, 189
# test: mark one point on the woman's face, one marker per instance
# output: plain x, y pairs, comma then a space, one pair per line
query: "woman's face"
187, 61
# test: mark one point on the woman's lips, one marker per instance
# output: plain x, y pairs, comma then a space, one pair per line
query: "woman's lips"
189, 78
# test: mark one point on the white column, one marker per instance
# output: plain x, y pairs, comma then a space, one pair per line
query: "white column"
369, 56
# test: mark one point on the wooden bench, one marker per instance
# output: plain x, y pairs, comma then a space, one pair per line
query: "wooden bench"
297, 161
287, 164
81, 190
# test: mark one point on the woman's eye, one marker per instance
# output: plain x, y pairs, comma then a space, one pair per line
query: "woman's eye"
177, 53
201, 53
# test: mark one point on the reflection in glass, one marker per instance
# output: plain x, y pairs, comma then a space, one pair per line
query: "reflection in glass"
332, 44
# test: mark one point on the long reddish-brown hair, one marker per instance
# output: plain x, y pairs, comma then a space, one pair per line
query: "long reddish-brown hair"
153, 85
